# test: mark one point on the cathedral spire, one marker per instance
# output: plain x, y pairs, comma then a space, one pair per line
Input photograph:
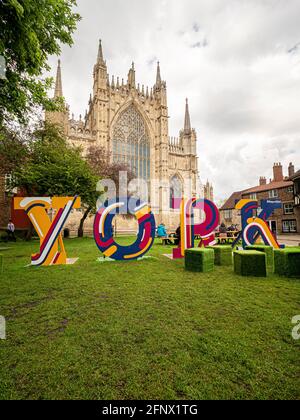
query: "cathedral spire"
58, 93
187, 119
100, 59
158, 76
131, 77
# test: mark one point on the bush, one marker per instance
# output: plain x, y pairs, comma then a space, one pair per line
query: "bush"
199, 260
269, 251
223, 254
250, 263
287, 262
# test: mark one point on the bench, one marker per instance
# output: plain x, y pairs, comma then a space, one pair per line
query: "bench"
223, 254
250, 263
287, 262
269, 251
199, 260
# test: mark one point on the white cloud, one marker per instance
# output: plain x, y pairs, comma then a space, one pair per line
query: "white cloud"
238, 61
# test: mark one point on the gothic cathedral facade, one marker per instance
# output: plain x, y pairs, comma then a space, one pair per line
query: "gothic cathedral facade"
132, 123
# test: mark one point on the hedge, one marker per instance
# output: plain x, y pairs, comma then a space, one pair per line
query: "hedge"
199, 260
287, 262
223, 254
250, 263
269, 251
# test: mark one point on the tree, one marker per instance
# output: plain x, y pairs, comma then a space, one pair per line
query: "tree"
99, 161
50, 166
31, 31
12, 151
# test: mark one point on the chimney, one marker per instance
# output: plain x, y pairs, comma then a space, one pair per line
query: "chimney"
291, 170
262, 180
277, 172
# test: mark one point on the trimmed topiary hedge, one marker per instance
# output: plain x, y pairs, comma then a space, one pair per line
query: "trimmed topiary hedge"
199, 260
223, 254
287, 262
250, 263
269, 251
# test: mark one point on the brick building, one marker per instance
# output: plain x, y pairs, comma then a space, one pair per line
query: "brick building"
284, 220
4, 204
295, 178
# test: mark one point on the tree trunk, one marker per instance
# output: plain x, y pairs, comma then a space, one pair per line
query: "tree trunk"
29, 233
83, 219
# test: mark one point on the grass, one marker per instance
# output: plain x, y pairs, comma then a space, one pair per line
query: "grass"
144, 330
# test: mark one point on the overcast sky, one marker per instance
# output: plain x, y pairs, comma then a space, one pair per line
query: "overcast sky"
238, 62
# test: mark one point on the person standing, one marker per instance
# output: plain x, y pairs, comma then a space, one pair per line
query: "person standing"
11, 231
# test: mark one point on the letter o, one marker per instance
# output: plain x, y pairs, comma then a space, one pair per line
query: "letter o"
103, 231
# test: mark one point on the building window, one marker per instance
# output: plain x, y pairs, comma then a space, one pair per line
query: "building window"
228, 214
288, 208
290, 189
175, 190
273, 194
289, 226
253, 196
131, 143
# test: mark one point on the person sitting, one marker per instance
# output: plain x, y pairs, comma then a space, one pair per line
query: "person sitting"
223, 228
11, 231
162, 234
177, 236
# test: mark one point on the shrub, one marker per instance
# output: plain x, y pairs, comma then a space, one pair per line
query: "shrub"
287, 262
199, 260
250, 263
269, 251
223, 254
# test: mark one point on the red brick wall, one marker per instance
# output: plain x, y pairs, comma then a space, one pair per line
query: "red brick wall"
19, 218
4, 205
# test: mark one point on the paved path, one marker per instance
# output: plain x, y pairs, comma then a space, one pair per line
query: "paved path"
289, 240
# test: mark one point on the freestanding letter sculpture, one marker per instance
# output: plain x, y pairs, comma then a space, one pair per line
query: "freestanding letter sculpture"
52, 250
188, 229
103, 229
255, 226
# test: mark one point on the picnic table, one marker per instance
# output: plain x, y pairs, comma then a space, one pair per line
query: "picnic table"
228, 237
171, 237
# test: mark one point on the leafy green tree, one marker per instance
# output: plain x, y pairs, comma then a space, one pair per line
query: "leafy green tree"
46, 165
55, 168
30, 31
13, 151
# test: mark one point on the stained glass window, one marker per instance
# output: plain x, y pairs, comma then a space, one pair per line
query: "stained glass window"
131, 142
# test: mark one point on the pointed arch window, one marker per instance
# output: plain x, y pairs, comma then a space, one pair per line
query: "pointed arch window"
131, 143
175, 189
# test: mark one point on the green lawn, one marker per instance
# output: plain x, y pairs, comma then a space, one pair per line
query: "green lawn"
144, 330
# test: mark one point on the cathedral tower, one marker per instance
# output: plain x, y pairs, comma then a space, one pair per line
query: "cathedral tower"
131, 122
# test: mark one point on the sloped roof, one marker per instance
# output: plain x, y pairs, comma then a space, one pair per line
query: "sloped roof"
232, 200
296, 175
271, 186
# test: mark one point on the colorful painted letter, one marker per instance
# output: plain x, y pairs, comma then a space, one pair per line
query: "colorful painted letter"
103, 229
255, 227
52, 250
188, 229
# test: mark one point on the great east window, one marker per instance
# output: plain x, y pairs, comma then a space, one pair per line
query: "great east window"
131, 143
